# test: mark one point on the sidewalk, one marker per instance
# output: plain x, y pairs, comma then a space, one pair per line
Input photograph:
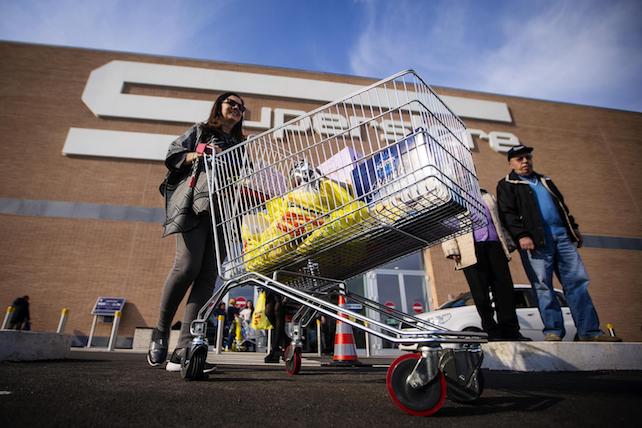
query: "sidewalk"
505, 356
510, 356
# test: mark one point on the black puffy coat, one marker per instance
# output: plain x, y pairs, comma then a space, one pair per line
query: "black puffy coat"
519, 210
184, 206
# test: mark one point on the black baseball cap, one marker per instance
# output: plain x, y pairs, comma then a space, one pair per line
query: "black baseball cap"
518, 150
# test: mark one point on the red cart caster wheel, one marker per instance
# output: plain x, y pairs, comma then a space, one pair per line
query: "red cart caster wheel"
422, 401
292, 360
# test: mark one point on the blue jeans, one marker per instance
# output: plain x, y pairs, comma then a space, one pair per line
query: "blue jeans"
561, 256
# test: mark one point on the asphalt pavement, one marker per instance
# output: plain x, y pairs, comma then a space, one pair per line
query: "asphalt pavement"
112, 389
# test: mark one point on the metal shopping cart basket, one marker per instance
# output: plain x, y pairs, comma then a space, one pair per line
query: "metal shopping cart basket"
334, 193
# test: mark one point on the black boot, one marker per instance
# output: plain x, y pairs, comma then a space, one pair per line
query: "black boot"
274, 356
157, 353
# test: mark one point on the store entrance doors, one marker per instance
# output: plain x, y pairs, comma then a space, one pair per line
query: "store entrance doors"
404, 290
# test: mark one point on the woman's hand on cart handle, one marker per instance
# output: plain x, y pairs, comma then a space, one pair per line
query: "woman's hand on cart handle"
192, 156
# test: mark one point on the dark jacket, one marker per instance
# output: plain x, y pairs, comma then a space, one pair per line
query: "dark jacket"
232, 311
519, 210
21, 310
185, 205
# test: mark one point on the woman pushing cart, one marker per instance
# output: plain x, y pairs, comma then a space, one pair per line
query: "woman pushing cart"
188, 218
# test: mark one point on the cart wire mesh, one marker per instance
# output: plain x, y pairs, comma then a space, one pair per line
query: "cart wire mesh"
351, 185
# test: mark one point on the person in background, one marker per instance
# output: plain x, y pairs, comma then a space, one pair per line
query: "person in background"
212, 328
275, 311
327, 334
230, 322
483, 255
188, 217
247, 311
249, 335
20, 320
534, 212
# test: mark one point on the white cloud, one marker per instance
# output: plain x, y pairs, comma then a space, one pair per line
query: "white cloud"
401, 35
587, 52
572, 51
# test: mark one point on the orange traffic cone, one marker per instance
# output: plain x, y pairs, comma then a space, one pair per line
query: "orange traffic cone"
345, 350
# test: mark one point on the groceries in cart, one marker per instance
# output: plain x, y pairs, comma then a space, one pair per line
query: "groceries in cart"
299, 220
406, 177
392, 185
262, 180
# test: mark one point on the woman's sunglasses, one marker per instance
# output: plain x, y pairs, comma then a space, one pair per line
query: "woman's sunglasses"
233, 104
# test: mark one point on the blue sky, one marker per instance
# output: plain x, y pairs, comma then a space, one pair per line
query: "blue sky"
578, 51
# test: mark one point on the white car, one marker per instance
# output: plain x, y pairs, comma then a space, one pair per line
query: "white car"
460, 314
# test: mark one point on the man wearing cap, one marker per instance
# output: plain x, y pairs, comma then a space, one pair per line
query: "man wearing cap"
533, 210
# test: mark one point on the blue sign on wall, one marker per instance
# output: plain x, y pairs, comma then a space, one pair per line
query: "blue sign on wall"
353, 306
108, 306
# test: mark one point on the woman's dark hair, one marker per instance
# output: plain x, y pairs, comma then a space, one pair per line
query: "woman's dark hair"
214, 120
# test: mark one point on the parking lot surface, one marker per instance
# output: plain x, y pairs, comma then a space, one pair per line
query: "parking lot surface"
121, 390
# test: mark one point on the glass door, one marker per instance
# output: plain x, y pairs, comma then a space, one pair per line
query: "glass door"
403, 290
389, 290
415, 293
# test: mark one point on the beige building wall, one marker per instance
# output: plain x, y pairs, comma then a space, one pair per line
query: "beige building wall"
593, 154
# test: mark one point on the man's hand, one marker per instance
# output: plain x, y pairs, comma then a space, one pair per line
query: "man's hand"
580, 238
455, 257
526, 243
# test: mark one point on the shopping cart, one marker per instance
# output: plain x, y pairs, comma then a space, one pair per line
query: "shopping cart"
334, 193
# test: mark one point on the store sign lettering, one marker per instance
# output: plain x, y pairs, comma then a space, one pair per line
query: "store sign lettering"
104, 96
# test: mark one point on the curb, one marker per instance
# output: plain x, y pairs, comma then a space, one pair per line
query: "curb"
18, 345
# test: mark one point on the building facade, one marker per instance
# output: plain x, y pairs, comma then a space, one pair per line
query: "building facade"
84, 133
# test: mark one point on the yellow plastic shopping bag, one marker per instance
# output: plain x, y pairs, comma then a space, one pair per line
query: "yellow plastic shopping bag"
339, 225
251, 230
320, 199
259, 320
300, 222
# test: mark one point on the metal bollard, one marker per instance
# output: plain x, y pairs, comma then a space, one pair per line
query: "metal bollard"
319, 345
367, 336
92, 330
609, 327
114, 331
269, 339
63, 320
238, 333
7, 317
219, 334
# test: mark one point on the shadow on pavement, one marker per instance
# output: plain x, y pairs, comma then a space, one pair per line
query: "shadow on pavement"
494, 405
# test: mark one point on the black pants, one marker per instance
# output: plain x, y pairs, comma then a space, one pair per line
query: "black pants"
275, 309
491, 274
195, 267
18, 324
